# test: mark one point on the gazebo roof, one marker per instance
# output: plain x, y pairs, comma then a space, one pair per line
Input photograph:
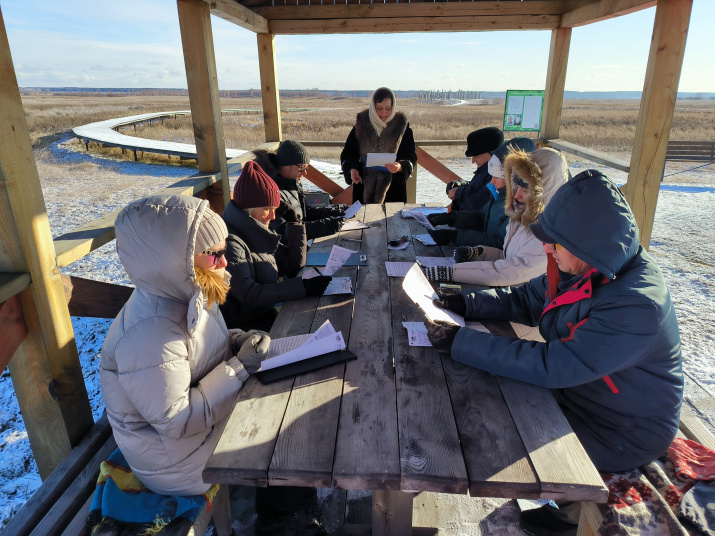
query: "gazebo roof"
371, 16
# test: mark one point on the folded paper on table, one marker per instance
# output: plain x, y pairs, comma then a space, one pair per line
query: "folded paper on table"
426, 239
420, 291
434, 261
291, 349
339, 285
353, 209
417, 333
378, 160
354, 225
398, 269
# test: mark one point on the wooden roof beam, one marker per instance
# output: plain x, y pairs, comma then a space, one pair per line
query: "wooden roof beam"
232, 11
605, 9
415, 24
425, 9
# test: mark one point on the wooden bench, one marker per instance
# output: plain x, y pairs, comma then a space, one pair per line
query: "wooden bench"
690, 151
61, 505
696, 423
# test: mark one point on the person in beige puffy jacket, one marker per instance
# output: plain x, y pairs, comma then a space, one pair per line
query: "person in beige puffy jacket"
168, 369
535, 177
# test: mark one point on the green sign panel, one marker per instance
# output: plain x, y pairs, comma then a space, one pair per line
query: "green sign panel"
523, 110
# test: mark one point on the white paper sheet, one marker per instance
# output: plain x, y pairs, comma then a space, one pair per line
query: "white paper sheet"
353, 209
477, 326
310, 272
421, 292
426, 239
417, 334
339, 285
338, 257
292, 349
398, 269
410, 213
435, 261
354, 225
420, 217
373, 160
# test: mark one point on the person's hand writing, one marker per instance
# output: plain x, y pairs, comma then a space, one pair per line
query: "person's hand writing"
453, 302
315, 286
441, 334
442, 218
394, 168
355, 176
254, 350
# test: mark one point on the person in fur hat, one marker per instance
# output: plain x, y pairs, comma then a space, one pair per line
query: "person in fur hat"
170, 370
379, 129
286, 167
535, 177
256, 256
486, 226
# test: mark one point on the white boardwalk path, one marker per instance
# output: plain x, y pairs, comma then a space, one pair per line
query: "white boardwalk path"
105, 132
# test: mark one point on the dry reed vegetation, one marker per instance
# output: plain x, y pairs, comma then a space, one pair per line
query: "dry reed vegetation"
607, 126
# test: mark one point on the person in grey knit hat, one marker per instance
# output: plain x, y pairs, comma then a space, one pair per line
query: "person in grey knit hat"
170, 370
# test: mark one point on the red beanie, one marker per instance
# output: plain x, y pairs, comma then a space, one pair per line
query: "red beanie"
254, 188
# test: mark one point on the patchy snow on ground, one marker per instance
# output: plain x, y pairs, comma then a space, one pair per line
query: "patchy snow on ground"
84, 186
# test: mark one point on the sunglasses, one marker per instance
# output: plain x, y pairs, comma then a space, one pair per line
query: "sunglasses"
217, 255
555, 246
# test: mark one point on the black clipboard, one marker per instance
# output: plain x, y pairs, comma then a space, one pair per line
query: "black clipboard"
303, 366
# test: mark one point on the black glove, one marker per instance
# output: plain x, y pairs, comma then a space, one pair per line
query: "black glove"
441, 334
452, 302
288, 213
443, 218
335, 224
438, 273
467, 253
337, 210
443, 236
315, 286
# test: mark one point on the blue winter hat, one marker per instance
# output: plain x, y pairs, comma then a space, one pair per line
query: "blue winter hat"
590, 218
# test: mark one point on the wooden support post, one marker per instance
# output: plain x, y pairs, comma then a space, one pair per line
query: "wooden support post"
670, 31
555, 83
269, 87
200, 62
411, 186
45, 369
391, 513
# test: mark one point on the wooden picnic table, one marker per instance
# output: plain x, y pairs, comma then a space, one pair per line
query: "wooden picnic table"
398, 419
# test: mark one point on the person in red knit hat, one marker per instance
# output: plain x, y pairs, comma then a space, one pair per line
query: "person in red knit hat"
256, 260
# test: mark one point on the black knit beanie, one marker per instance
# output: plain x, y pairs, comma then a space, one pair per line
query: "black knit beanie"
484, 140
291, 153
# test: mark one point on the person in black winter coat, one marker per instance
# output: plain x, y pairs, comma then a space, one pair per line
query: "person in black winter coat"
379, 129
286, 167
256, 256
612, 352
256, 259
480, 144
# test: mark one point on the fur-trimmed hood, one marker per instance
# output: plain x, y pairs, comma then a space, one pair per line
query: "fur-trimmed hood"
545, 170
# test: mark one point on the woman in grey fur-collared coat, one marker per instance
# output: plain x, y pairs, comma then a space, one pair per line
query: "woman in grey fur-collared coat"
379, 129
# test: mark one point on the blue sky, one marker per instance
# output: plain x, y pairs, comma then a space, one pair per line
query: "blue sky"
136, 43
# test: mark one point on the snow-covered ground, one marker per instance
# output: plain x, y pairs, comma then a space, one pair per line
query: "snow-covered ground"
87, 186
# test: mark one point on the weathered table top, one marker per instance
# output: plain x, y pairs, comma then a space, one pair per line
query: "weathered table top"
398, 417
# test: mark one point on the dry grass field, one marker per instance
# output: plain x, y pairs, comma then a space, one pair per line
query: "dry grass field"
607, 126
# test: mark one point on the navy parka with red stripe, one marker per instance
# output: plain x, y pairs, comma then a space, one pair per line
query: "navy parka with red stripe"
612, 354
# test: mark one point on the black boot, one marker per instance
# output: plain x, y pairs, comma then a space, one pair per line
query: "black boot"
546, 521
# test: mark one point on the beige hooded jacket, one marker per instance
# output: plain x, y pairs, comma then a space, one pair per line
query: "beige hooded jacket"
522, 258
163, 371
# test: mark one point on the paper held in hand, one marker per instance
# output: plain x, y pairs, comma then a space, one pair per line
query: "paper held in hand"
421, 292
293, 349
378, 160
352, 210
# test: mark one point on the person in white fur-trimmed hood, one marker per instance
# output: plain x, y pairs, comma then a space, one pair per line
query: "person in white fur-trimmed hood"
535, 177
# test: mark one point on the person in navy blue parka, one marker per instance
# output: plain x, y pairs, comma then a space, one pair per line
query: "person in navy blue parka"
612, 354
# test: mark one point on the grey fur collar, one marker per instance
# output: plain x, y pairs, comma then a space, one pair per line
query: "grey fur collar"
387, 142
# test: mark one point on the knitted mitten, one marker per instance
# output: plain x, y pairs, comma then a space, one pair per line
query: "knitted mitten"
438, 273
467, 253
441, 334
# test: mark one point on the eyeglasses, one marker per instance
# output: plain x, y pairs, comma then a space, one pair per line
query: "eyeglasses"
217, 255
303, 168
555, 246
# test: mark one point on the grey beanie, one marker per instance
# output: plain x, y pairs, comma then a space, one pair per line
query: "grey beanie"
212, 230
291, 153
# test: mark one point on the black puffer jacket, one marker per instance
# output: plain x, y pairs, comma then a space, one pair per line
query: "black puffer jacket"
318, 221
256, 259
